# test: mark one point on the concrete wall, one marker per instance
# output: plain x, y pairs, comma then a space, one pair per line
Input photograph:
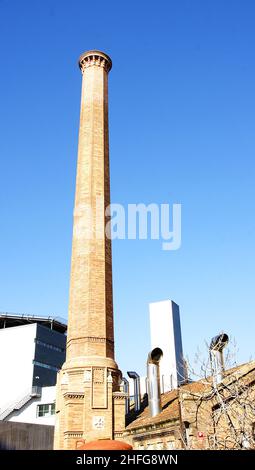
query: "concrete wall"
22, 436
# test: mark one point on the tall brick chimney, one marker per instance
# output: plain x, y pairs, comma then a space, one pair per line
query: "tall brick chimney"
89, 402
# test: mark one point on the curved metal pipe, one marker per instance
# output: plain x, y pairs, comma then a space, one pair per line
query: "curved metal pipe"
153, 381
137, 392
219, 342
217, 345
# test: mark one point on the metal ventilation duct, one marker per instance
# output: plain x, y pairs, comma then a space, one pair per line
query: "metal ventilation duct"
217, 345
126, 390
153, 381
137, 392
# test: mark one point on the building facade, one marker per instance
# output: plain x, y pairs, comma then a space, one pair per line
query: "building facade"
32, 350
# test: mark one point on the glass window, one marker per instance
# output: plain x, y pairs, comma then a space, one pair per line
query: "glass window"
53, 409
46, 366
46, 409
50, 346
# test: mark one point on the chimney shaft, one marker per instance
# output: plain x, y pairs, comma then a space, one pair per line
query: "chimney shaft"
90, 368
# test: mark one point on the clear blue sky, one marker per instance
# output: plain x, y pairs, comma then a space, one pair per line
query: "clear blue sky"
182, 117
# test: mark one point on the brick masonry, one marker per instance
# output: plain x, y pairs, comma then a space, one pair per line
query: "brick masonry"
90, 404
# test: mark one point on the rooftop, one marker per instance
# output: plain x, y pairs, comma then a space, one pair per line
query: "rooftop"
8, 320
170, 403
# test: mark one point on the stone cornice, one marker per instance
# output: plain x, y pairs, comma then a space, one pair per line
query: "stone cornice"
95, 58
73, 433
91, 339
119, 395
76, 395
152, 427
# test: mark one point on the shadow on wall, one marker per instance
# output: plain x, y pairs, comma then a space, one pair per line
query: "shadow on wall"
25, 436
133, 414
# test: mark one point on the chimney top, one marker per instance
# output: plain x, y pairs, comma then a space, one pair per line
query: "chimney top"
94, 57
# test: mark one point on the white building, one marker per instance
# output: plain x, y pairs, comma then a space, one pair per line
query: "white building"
32, 350
165, 330
39, 409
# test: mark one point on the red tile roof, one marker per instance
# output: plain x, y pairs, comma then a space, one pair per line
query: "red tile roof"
170, 403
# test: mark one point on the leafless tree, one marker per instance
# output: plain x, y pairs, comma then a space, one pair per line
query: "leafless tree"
218, 415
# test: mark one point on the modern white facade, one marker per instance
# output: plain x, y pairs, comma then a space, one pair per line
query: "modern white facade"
38, 410
31, 353
165, 331
17, 350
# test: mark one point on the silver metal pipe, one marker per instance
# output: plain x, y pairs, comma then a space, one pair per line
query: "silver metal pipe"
153, 378
137, 389
217, 345
126, 390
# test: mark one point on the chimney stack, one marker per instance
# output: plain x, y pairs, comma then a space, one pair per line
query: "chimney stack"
153, 381
217, 345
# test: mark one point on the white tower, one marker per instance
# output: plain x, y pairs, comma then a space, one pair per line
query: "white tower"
165, 328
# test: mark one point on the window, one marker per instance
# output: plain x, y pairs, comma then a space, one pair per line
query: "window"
253, 430
45, 410
159, 446
170, 445
245, 444
150, 447
46, 366
186, 433
50, 346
